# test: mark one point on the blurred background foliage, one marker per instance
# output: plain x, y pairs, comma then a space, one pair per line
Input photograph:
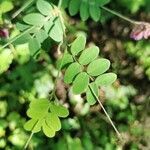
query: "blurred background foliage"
23, 79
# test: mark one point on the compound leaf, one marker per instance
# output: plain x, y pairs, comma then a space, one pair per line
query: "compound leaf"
106, 79
98, 66
88, 55
80, 83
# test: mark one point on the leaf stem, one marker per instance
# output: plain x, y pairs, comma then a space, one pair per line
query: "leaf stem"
28, 141
120, 15
111, 122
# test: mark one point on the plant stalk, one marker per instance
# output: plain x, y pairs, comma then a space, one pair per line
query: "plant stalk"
28, 141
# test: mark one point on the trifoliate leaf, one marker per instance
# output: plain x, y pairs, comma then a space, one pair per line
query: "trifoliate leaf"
34, 19
44, 7
98, 67
71, 72
88, 55
89, 94
48, 130
78, 45
53, 121
84, 10
94, 10
59, 110
74, 6
106, 79
80, 83
6, 57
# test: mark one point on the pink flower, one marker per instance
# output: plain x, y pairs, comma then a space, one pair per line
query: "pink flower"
140, 31
4, 33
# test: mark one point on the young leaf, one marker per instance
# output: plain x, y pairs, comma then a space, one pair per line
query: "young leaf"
106, 79
80, 83
48, 130
35, 19
89, 94
84, 10
94, 10
88, 55
74, 6
71, 72
78, 44
44, 7
34, 46
98, 67
53, 121
59, 110
29, 125
56, 32
41, 35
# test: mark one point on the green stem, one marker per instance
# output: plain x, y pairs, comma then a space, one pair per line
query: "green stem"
59, 4
111, 122
28, 141
120, 15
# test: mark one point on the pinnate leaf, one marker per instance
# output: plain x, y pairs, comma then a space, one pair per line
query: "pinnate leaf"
89, 94
80, 83
78, 44
98, 66
71, 72
88, 55
106, 79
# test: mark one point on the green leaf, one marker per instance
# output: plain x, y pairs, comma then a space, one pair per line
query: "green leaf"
71, 72
56, 32
48, 25
6, 58
6, 6
48, 131
94, 10
22, 27
41, 35
80, 83
59, 110
74, 6
88, 55
89, 94
78, 44
30, 124
38, 108
84, 10
98, 67
106, 79
34, 46
34, 19
53, 121
44, 7
65, 4
65, 60
102, 2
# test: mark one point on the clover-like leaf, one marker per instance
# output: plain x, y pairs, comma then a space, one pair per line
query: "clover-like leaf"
88, 55
78, 45
59, 110
84, 10
34, 19
98, 66
89, 93
106, 79
71, 72
44, 7
80, 83
74, 6
41, 35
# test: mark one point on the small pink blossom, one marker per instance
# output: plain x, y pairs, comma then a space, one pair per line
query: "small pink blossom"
140, 31
4, 33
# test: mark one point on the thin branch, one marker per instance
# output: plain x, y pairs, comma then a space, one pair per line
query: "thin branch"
119, 15
111, 122
28, 141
